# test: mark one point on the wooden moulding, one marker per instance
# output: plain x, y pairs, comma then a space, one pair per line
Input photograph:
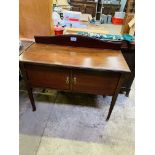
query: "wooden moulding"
79, 41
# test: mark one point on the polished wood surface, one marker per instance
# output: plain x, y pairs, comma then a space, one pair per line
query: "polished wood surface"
95, 82
75, 57
24, 45
35, 18
74, 80
80, 41
47, 77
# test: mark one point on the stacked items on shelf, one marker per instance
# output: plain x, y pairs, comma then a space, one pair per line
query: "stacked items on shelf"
118, 18
63, 4
106, 9
72, 19
68, 19
84, 6
105, 19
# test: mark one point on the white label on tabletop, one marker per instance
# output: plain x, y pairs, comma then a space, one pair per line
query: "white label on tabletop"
73, 39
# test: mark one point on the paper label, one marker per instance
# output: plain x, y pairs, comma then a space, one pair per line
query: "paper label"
73, 39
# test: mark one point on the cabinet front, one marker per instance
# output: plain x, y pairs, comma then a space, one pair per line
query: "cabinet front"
48, 77
103, 83
91, 10
76, 8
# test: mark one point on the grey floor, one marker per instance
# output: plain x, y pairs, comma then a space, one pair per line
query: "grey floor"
74, 124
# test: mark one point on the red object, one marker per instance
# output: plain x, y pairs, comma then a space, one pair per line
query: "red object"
118, 21
58, 30
73, 19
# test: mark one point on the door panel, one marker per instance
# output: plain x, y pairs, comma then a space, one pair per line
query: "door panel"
48, 77
95, 82
76, 8
90, 10
77, 0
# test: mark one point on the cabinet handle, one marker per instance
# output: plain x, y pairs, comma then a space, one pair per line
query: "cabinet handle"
74, 80
67, 79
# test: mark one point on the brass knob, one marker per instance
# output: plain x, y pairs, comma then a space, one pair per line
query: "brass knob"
67, 79
74, 80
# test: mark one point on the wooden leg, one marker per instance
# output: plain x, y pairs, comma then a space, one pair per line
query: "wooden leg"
127, 93
112, 106
115, 96
29, 89
31, 99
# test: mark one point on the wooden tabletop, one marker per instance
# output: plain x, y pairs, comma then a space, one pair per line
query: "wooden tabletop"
25, 45
77, 57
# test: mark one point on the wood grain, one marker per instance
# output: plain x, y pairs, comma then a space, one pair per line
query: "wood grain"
95, 82
76, 57
79, 41
35, 18
47, 77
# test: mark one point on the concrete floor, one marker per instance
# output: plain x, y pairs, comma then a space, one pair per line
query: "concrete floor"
74, 124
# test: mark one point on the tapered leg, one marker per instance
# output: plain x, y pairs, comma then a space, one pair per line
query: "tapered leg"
127, 93
29, 89
31, 99
112, 106
115, 95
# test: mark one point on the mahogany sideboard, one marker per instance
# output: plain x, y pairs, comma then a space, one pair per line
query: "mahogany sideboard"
74, 63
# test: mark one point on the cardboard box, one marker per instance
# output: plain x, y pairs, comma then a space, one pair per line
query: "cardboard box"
71, 14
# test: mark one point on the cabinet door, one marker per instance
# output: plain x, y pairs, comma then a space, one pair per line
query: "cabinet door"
76, 8
93, 82
82, 8
106, 10
47, 77
77, 0
90, 10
